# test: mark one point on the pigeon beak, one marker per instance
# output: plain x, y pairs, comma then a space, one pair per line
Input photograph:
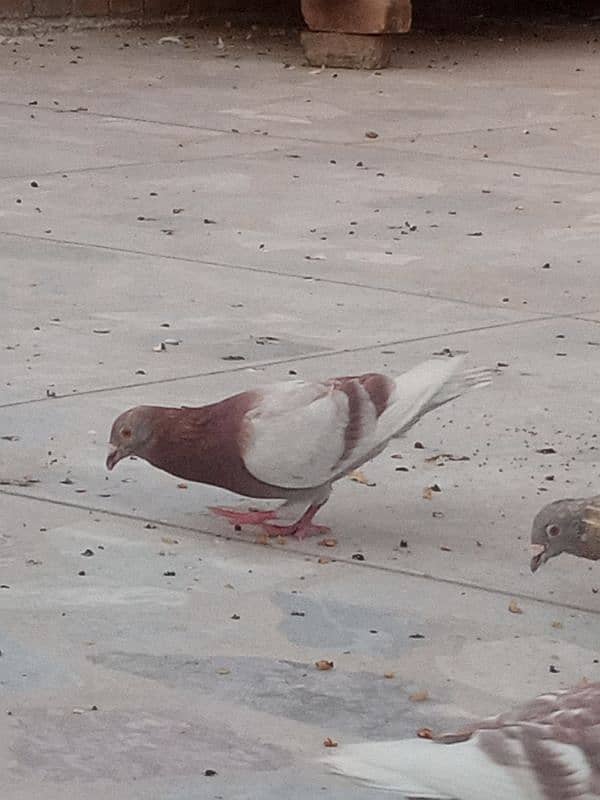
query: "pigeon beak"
113, 457
538, 556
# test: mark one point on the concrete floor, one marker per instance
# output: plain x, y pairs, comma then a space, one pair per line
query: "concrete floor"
231, 193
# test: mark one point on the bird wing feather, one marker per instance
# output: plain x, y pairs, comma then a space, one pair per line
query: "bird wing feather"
548, 749
303, 435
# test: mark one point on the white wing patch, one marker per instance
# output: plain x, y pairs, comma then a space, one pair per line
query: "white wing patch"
297, 435
305, 435
420, 769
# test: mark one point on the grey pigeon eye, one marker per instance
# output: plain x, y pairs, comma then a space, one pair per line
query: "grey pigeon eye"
552, 530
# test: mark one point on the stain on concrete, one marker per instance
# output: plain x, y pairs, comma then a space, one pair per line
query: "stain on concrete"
343, 627
360, 703
129, 745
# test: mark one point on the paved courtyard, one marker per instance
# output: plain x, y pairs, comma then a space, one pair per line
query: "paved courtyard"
220, 193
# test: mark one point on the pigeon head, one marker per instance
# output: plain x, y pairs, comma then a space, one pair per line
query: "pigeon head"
131, 433
556, 529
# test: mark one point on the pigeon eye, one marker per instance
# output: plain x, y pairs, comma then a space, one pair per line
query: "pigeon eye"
126, 433
552, 530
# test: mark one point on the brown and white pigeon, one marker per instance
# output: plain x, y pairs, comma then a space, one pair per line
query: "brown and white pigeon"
289, 440
566, 526
548, 749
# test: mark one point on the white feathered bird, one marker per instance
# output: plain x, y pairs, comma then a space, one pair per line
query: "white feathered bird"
289, 440
548, 749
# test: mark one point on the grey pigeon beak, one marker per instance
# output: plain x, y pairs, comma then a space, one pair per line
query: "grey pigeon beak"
113, 457
538, 556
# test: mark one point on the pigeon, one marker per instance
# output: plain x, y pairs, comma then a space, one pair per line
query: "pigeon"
548, 749
290, 440
566, 526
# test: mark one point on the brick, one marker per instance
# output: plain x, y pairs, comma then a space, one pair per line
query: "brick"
125, 8
52, 8
90, 8
15, 9
358, 16
348, 50
154, 9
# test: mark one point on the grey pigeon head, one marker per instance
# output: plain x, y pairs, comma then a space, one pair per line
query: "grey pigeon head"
130, 434
566, 526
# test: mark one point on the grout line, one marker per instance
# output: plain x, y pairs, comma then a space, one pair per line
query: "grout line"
425, 576
498, 162
266, 271
128, 164
324, 142
582, 318
192, 126
274, 362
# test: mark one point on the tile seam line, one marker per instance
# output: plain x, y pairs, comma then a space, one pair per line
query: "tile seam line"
129, 164
192, 126
262, 271
274, 362
301, 553
305, 140
499, 162
271, 151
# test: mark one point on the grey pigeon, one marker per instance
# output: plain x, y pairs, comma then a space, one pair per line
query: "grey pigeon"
288, 441
548, 749
566, 526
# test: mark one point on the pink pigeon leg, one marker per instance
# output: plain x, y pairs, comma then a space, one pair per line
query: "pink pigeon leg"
301, 529
236, 517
